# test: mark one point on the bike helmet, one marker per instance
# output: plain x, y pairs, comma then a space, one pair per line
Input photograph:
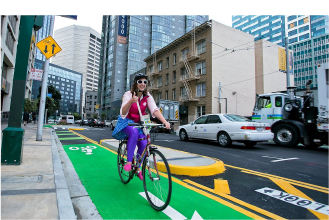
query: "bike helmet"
140, 76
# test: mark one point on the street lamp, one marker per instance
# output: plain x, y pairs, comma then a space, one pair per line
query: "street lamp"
220, 104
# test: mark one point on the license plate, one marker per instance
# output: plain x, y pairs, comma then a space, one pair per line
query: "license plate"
260, 129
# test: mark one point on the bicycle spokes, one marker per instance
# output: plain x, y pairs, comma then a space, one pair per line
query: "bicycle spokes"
157, 184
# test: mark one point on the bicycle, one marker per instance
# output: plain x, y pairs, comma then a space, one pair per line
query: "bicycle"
155, 170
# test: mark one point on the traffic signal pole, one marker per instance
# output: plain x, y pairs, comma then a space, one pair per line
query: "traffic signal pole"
44, 88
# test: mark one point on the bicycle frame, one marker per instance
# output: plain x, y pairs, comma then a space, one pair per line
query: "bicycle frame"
147, 148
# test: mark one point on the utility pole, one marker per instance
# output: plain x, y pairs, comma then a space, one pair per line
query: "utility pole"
287, 61
44, 87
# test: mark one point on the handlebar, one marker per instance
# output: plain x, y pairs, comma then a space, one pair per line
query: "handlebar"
141, 125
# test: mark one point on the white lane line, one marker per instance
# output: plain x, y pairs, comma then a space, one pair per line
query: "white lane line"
294, 158
169, 211
281, 159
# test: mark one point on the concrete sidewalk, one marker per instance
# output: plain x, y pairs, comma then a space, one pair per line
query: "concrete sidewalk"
35, 189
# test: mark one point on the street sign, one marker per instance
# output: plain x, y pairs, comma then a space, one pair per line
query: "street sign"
48, 47
36, 74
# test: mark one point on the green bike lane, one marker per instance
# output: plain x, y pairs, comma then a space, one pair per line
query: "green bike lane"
96, 167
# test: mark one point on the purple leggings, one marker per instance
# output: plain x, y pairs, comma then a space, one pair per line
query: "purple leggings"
133, 135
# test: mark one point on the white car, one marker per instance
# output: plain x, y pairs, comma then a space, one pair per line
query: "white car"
226, 128
114, 123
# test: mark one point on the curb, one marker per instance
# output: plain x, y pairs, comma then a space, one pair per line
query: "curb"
210, 170
64, 202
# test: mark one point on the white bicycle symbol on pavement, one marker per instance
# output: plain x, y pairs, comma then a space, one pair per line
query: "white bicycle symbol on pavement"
88, 149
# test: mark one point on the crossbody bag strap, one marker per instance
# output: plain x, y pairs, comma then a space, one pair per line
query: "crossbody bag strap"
139, 109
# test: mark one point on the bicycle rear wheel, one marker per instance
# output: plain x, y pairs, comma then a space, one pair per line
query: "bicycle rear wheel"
122, 160
157, 180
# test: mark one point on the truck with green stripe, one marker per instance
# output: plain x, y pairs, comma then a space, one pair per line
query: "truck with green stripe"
296, 119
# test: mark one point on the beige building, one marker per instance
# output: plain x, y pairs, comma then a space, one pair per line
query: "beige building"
268, 79
212, 61
9, 39
80, 52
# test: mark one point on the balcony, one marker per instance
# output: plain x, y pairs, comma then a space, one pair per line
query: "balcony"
190, 56
185, 98
153, 87
154, 73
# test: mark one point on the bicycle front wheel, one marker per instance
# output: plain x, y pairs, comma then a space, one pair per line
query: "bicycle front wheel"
122, 160
157, 180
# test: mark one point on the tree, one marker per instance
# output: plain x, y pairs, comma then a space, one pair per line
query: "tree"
103, 116
76, 116
52, 103
29, 105
95, 116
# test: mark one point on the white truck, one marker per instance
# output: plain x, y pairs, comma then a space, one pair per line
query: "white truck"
296, 119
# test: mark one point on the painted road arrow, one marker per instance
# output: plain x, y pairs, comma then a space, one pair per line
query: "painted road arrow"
295, 200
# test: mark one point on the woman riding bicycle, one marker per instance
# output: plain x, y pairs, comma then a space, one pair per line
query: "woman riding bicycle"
129, 113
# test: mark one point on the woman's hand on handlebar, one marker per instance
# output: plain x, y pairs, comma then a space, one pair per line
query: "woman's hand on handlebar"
167, 125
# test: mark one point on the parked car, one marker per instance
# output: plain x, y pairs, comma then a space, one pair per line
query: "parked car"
107, 123
114, 123
83, 122
226, 128
98, 123
77, 122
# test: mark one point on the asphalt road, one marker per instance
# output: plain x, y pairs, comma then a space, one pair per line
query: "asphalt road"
298, 171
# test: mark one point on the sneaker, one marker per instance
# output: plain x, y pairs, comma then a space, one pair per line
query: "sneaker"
127, 167
140, 176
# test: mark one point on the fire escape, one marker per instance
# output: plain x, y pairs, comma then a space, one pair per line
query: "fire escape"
190, 75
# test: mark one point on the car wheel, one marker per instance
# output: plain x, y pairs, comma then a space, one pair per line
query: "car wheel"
183, 135
286, 135
250, 143
224, 139
111, 126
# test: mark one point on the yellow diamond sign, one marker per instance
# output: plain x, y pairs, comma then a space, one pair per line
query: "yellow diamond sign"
48, 47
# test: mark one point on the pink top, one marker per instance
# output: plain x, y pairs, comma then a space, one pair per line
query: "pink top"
144, 102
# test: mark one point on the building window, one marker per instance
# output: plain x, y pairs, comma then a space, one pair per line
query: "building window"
167, 78
201, 47
174, 94
158, 97
151, 69
160, 66
200, 68
201, 90
167, 62
160, 81
174, 77
184, 74
184, 53
175, 59
183, 93
166, 95
200, 110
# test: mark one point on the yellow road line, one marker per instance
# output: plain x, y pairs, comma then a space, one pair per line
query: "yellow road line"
238, 201
295, 182
292, 190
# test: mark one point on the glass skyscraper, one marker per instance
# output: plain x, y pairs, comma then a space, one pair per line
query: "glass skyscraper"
42, 34
126, 41
274, 28
268, 27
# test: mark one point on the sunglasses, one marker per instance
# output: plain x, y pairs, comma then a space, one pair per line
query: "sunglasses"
142, 81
